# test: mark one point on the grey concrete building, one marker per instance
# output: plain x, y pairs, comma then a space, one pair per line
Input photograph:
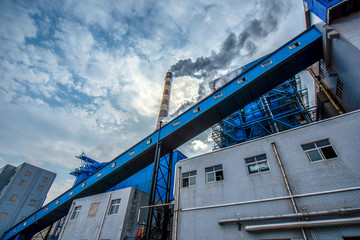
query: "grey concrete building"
111, 215
240, 193
23, 190
339, 71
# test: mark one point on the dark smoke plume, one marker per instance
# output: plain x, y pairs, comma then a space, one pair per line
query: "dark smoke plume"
235, 46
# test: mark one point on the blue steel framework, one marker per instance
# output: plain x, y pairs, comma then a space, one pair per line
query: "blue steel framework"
251, 84
282, 108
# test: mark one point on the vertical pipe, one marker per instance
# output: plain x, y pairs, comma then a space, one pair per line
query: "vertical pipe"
177, 201
103, 218
287, 184
164, 107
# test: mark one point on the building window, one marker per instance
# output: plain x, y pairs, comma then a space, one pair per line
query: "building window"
98, 174
189, 179
44, 179
40, 187
46, 209
131, 152
34, 217
28, 173
71, 193
3, 215
257, 164
93, 209
32, 202
22, 182
196, 110
319, 150
114, 206
214, 173
113, 164
242, 80
75, 213
176, 123
57, 202
149, 141
83, 184
13, 198
295, 45
218, 95
266, 64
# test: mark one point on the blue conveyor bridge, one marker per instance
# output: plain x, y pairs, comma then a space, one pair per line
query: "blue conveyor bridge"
272, 70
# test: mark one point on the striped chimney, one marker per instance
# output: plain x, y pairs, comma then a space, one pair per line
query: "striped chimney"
164, 107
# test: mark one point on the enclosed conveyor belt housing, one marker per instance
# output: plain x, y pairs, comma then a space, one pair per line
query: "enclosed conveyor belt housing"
291, 58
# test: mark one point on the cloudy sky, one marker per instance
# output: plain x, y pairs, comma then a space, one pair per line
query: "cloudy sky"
88, 75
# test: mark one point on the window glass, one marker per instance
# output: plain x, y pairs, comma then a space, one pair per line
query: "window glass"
320, 150
189, 179
114, 206
75, 213
214, 173
328, 152
28, 173
257, 164
210, 177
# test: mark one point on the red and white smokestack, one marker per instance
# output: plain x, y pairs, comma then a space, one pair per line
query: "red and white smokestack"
164, 107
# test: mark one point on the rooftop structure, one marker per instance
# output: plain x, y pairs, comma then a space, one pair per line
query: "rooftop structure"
23, 190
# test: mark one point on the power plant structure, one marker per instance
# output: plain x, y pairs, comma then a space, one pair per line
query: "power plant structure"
284, 107
275, 174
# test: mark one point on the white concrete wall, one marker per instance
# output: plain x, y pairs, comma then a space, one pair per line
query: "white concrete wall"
304, 177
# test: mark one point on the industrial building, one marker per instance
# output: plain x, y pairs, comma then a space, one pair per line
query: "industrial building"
239, 192
110, 215
23, 190
281, 169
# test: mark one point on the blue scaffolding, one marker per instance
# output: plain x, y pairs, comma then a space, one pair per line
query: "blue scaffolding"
284, 107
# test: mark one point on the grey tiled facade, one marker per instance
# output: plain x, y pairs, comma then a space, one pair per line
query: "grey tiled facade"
241, 194
23, 190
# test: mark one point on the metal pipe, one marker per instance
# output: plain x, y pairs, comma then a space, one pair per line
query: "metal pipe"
327, 93
272, 199
273, 145
66, 220
292, 215
304, 224
287, 184
177, 201
103, 218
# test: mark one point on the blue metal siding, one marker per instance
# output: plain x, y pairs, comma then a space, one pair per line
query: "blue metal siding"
286, 63
320, 7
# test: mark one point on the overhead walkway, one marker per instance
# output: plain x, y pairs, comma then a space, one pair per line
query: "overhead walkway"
291, 58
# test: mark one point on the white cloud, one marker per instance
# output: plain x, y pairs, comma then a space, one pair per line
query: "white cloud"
88, 75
